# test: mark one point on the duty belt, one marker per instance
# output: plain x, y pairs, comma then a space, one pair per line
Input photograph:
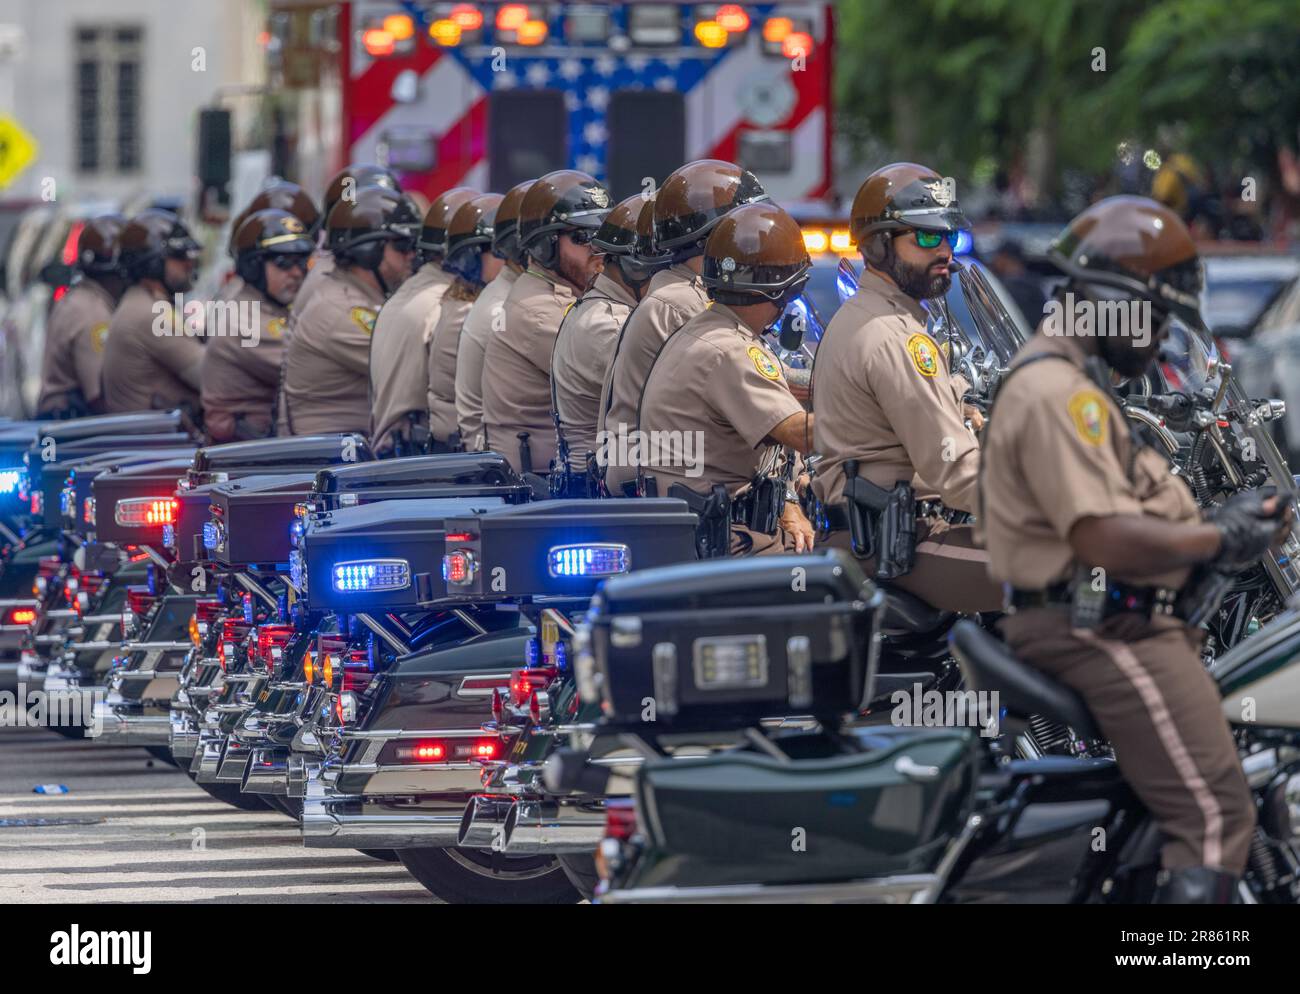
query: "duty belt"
1120, 598
834, 518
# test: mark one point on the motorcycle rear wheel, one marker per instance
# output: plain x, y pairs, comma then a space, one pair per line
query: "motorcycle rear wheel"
229, 793
581, 871
468, 876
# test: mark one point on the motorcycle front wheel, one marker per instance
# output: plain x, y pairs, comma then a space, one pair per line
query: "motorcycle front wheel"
468, 876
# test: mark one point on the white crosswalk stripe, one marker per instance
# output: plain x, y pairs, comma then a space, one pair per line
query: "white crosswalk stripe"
136, 829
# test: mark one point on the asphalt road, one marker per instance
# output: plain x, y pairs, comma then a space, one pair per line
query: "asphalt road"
126, 832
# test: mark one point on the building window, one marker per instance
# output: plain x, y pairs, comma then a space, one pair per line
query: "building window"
108, 94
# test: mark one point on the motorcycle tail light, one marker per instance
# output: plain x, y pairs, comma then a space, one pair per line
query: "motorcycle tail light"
144, 512
233, 631
21, 616
138, 599
271, 640
447, 750
458, 568
523, 683
620, 818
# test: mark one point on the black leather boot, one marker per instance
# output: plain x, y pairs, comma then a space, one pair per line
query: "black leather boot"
1195, 885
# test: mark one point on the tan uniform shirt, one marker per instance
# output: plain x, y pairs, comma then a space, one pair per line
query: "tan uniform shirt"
444, 345
583, 351
143, 363
517, 369
399, 349
673, 296
1059, 450
715, 392
487, 313
327, 360
320, 265
883, 395
75, 336
240, 372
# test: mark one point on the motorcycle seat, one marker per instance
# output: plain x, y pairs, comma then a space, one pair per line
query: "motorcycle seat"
906, 612
987, 664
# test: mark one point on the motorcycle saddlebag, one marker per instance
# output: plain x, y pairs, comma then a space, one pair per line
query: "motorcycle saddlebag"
134, 504
385, 556
563, 548
81, 479
250, 518
49, 478
738, 818
286, 454
454, 474
720, 644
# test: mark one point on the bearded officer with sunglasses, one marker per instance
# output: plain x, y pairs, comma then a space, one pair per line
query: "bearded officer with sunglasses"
241, 368
889, 414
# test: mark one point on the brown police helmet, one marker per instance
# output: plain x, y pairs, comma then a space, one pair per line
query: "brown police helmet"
149, 239
695, 197
905, 195
756, 251
564, 200
472, 223
97, 248
433, 232
355, 176
356, 227
617, 232
1137, 246
266, 233
505, 230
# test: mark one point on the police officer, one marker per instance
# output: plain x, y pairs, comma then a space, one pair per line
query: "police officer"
78, 325
470, 260
691, 202
345, 185
557, 219
486, 317
241, 367
585, 343
399, 348
278, 195
717, 412
149, 359
1096, 538
885, 401
326, 378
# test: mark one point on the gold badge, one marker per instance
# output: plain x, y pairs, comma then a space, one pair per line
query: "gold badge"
294, 225
924, 353
1088, 411
764, 364
275, 327
98, 336
364, 318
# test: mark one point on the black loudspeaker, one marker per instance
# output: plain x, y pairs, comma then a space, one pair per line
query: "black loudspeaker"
214, 148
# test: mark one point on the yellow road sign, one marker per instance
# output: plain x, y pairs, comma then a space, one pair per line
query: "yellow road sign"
17, 150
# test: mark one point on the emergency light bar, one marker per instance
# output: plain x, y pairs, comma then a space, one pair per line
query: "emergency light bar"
372, 575
9, 480
596, 559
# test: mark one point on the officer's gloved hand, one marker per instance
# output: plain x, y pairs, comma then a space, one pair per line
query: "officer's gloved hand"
1248, 524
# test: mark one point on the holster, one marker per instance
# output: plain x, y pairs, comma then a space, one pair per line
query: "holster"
759, 508
881, 522
713, 534
525, 453
1202, 594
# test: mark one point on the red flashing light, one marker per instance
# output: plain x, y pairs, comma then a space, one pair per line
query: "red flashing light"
139, 600
467, 16
732, 17
523, 683
620, 819
797, 43
512, 17
22, 616
459, 537
378, 42
206, 610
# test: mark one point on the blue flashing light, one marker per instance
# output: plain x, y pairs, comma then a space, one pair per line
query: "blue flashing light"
211, 535
561, 657
9, 480
594, 559
965, 243
248, 608
372, 575
169, 535
532, 652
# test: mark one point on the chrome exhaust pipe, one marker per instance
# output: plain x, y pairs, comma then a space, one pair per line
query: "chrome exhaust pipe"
535, 826
234, 761
267, 772
183, 736
336, 822
483, 825
207, 759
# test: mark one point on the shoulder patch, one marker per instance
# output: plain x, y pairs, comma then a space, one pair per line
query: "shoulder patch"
98, 336
1089, 413
275, 328
924, 353
764, 364
364, 318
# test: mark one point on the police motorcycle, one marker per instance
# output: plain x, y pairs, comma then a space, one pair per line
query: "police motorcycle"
48, 560
723, 809
403, 756
153, 506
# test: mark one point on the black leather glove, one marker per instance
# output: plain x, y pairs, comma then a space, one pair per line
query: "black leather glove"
1246, 530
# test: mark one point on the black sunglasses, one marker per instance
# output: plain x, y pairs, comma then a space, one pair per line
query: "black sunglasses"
289, 260
582, 236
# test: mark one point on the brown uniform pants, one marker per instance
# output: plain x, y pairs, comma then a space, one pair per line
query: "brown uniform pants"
1158, 706
745, 542
951, 571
